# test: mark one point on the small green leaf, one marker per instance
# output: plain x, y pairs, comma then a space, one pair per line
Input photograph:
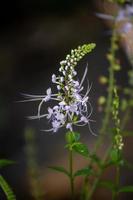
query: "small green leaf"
81, 149
84, 172
107, 184
60, 169
72, 137
114, 155
128, 188
5, 162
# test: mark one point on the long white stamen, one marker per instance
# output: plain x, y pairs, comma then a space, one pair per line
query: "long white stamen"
28, 100
36, 96
83, 78
36, 116
88, 90
39, 108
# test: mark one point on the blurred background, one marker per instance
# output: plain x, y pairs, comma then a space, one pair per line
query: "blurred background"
35, 35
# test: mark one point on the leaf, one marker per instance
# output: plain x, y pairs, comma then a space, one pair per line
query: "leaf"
72, 137
128, 188
84, 172
81, 149
107, 184
114, 155
6, 188
5, 162
60, 169
110, 163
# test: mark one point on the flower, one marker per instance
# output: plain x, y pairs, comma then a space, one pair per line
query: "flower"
124, 15
72, 106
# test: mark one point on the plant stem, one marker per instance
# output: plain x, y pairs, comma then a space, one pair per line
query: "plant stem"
96, 182
115, 193
71, 173
105, 121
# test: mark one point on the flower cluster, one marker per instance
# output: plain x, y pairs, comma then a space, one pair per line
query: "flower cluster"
118, 139
73, 107
123, 17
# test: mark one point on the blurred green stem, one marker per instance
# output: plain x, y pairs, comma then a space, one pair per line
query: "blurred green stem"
117, 181
105, 122
96, 182
71, 173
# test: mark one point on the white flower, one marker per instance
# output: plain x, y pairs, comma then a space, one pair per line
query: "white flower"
69, 126
62, 103
55, 107
84, 119
124, 15
61, 79
55, 125
48, 96
50, 112
127, 27
58, 87
54, 78
72, 107
60, 117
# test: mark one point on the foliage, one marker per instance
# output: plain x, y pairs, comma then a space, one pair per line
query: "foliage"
3, 183
71, 109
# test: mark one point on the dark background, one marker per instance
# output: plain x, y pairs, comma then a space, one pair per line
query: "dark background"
35, 35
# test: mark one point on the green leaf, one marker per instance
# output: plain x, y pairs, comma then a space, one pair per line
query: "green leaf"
84, 172
60, 169
126, 189
107, 184
72, 137
5, 162
114, 156
81, 149
6, 188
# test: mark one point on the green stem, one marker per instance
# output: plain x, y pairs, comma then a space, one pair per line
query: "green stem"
96, 182
115, 193
71, 173
108, 106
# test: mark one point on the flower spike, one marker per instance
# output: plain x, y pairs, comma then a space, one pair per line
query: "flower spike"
72, 106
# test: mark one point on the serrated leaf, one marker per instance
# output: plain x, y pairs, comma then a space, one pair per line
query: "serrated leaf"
128, 188
81, 149
60, 169
107, 184
83, 172
5, 162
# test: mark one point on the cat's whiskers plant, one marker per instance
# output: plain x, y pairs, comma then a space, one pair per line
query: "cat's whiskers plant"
73, 107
